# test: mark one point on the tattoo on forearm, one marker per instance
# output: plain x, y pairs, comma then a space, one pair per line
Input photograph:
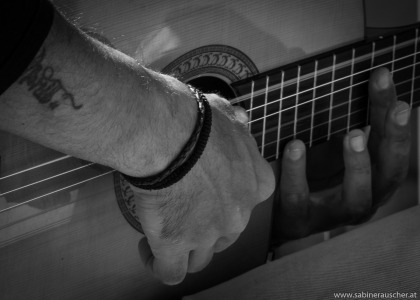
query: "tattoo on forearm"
45, 88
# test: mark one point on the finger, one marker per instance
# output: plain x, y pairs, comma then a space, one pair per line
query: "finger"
170, 265
357, 177
394, 153
199, 259
397, 132
293, 185
241, 114
225, 242
382, 96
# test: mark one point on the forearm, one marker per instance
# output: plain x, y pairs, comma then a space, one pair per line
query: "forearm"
93, 102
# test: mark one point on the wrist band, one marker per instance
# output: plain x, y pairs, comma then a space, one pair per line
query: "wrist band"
189, 155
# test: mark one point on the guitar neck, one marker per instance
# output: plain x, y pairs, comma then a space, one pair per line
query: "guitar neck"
326, 95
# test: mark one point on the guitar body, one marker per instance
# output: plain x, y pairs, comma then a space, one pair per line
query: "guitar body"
64, 235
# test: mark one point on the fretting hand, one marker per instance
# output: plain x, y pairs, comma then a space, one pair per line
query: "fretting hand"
375, 166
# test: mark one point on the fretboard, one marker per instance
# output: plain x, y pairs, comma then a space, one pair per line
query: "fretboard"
327, 95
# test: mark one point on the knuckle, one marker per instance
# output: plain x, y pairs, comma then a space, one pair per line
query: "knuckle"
396, 178
361, 168
239, 221
266, 187
295, 197
401, 144
295, 204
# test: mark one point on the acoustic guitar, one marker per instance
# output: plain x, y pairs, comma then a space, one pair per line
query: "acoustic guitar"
68, 228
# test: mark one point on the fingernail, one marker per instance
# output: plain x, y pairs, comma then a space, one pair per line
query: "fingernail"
295, 151
402, 114
357, 143
295, 154
384, 81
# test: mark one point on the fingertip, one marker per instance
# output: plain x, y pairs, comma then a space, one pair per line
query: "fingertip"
174, 280
223, 243
170, 268
295, 150
293, 182
355, 141
199, 259
381, 78
401, 113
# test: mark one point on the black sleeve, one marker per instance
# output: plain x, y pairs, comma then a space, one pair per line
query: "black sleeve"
24, 25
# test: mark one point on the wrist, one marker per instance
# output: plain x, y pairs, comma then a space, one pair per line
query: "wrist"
158, 129
187, 158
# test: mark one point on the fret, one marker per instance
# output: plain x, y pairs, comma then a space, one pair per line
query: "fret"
372, 59
305, 101
372, 64
313, 104
258, 110
272, 120
416, 72
413, 75
296, 103
331, 97
251, 108
279, 116
266, 110
394, 45
353, 53
341, 90
383, 52
289, 94
320, 97
265, 114
403, 59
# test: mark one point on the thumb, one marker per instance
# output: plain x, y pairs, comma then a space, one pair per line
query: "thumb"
241, 114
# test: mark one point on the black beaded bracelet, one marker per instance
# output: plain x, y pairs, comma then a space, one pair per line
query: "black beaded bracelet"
189, 155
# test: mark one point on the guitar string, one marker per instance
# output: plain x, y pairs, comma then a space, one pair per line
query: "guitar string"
55, 191
317, 139
41, 165
318, 98
46, 179
291, 136
36, 167
351, 92
260, 147
111, 171
324, 136
289, 83
302, 119
364, 58
273, 114
322, 124
331, 82
414, 69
